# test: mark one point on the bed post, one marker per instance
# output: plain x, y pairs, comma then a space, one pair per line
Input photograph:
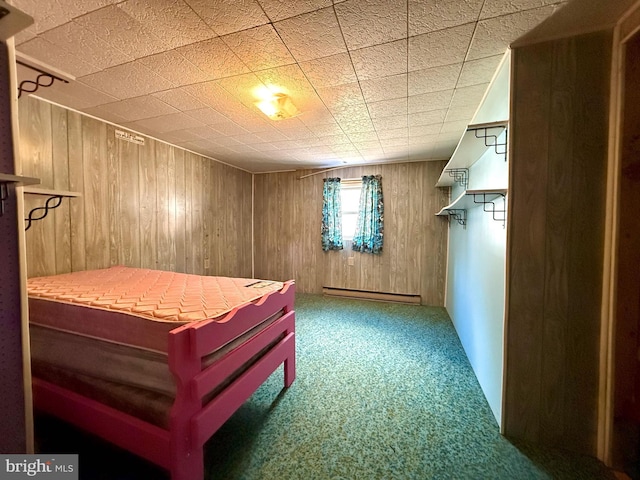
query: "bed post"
290, 362
187, 458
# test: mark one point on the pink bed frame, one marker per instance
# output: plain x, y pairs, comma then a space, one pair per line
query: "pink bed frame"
191, 424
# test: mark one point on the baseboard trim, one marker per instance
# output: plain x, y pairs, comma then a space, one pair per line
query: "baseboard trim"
367, 295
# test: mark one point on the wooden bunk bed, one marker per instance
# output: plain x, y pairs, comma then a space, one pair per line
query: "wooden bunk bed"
155, 362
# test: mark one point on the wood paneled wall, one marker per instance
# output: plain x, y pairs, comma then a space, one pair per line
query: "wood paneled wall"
151, 205
288, 214
559, 136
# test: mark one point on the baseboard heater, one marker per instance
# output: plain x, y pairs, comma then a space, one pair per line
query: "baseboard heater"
367, 295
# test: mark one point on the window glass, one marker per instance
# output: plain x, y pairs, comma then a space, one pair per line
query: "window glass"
350, 196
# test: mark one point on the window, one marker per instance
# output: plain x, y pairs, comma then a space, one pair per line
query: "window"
350, 205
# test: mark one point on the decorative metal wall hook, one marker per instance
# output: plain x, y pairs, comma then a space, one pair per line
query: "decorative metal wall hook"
30, 86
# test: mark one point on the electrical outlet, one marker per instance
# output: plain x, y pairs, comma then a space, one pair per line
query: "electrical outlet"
350, 261
206, 263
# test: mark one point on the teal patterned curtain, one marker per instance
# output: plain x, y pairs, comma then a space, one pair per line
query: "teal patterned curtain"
369, 229
331, 215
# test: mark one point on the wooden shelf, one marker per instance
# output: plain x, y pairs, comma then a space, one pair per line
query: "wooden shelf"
470, 148
50, 193
18, 180
472, 199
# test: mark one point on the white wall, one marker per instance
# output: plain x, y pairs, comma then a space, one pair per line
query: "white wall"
476, 281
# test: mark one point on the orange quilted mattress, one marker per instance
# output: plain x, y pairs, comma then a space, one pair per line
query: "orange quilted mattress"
135, 306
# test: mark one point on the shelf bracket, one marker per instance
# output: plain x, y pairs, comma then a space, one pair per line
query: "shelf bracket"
460, 176
39, 213
489, 206
30, 86
491, 140
459, 215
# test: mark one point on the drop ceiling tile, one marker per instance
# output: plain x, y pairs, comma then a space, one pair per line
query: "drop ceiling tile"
319, 116
242, 87
493, 36
227, 142
360, 126
430, 101
85, 44
49, 54
471, 95
179, 136
402, 133
351, 113
179, 99
135, 109
271, 135
380, 60
25, 35
259, 48
249, 139
425, 17
330, 140
390, 123
461, 113
423, 140
213, 57
289, 79
341, 95
228, 16
213, 95
371, 22
434, 79
207, 115
367, 146
126, 81
312, 35
444, 47
229, 128
328, 71
206, 132
281, 9
388, 108
387, 143
495, 8
48, 15
385, 88
172, 20
425, 130
370, 136
457, 127
104, 112
124, 33
322, 130
427, 118
169, 123
478, 71
174, 67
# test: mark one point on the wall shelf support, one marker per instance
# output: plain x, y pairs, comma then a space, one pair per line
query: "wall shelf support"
30, 86
489, 206
491, 139
54, 201
459, 215
460, 176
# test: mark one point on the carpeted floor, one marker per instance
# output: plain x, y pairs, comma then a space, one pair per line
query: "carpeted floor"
383, 391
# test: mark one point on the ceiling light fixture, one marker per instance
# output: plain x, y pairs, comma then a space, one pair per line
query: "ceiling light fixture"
278, 107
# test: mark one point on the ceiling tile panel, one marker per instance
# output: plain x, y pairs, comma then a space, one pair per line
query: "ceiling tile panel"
493, 35
259, 48
357, 126
444, 47
328, 71
228, 16
341, 95
242, 87
388, 108
49, 54
371, 22
427, 118
281, 9
179, 136
171, 122
127, 81
390, 123
461, 113
380, 60
113, 25
25, 35
178, 98
213, 57
424, 130
393, 133
370, 136
48, 15
172, 20
434, 79
430, 101
85, 44
495, 8
174, 67
135, 108
431, 16
471, 95
312, 35
478, 71
386, 88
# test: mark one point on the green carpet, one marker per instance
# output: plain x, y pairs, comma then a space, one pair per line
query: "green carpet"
383, 391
